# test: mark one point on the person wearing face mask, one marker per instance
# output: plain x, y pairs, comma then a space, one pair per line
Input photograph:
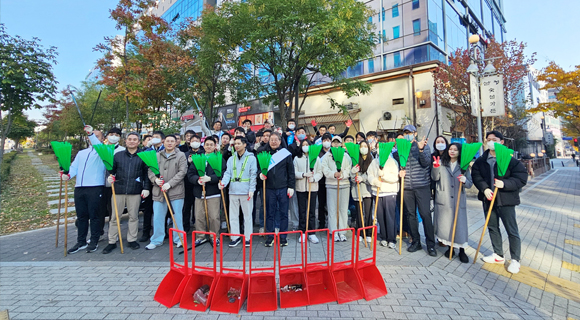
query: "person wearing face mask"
364, 162
189, 200
322, 204
486, 178
439, 149
373, 142
89, 170
306, 180
417, 175
264, 144
446, 173
187, 137
156, 142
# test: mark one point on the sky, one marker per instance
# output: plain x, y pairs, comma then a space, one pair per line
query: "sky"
75, 27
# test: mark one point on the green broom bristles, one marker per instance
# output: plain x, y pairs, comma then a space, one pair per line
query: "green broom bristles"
200, 162
107, 153
150, 159
353, 150
62, 151
313, 152
468, 151
403, 149
215, 161
338, 155
385, 149
264, 161
503, 155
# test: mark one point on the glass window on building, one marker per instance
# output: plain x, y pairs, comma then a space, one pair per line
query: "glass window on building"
436, 32
384, 62
371, 65
456, 37
487, 17
384, 35
416, 55
415, 4
396, 33
397, 59
383, 13
417, 27
395, 10
475, 6
435, 54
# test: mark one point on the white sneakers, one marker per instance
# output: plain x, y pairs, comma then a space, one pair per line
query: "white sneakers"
392, 245
313, 238
369, 239
224, 225
302, 238
384, 243
360, 239
336, 238
150, 246
342, 237
494, 258
514, 267
261, 230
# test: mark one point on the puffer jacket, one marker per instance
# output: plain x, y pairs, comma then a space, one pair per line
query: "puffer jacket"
282, 174
249, 173
329, 168
418, 169
211, 187
301, 166
387, 179
130, 173
173, 171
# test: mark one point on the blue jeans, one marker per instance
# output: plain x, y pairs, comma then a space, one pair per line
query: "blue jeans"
277, 204
159, 212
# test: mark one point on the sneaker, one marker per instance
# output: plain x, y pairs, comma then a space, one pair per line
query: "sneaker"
224, 225
313, 238
276, 230
247, 243
493, 258
392, 245
415, 246
360, 239
302, 238
179, 244
92, 247
199, 242
78, 247
432, 252
269, 243
369, 239
384, 243
234, 243
134, 245
217, 243
110, 247
336, 238
342, 237
283, 243
150, 246
514, 267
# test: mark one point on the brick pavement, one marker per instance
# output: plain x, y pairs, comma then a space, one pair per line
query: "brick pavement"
36, 281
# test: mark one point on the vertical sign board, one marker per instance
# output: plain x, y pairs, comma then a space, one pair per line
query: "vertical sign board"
474, 90
492, 100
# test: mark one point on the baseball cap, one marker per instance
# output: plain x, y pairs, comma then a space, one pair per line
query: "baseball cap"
337, 138
410, 128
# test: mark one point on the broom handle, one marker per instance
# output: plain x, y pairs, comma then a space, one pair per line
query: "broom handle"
117, 216
361, 212
375, 217
225, 209
58, 217
401, 217
455, 220
172, 217
308, 206
65, 217
486, 222
205, 204
337, 202
264, 204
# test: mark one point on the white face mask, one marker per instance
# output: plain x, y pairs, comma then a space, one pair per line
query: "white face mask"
305, 149
409, 137
491, 145
440, 146
195, 145
364, 151
326, 144
291, 126
113, 139
156, 140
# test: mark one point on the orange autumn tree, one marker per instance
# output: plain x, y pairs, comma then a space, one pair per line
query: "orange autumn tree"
567, 105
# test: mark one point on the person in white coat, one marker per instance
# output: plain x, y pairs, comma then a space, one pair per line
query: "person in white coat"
306, 180
360, 172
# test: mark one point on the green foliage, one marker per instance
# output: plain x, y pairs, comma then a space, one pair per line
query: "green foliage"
264, 161
5, 166
63, 152
353, 150
468, 151
403, 149
384, 152
200, 162
215, 161
338, 155
21, 127
150, 159
106, 153
503, 155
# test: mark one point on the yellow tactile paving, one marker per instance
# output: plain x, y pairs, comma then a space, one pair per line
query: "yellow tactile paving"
4, 315
577, 225
569, 266
572, 242
537, 279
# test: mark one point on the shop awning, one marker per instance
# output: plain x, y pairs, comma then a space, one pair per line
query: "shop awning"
328, 119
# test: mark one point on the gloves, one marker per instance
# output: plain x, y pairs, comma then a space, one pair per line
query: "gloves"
462, 179
381, 172
348, 123
499, 183
358, 179
488, 194
149, 143
263, 177
190, 159
144, 193
290, 192
436, 162
256, 146
311, 180
64, 177
355, 169
308, 174
313, 123
221, 186
111, 179
159, 182
165, 187
205, 179
88, 129
250, 195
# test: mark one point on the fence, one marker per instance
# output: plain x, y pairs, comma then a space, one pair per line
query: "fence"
537, 166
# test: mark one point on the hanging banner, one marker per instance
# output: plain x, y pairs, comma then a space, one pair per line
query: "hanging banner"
492, 100
474, 90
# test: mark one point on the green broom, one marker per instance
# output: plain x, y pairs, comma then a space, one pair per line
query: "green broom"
384, 152
468, 151
403, 149
215, 161
200, 163
354, 153
338, 155
503, 157
62, 151
313, 152
107, 152
264, 158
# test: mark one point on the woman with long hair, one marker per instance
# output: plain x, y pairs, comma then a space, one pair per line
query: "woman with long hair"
365, 160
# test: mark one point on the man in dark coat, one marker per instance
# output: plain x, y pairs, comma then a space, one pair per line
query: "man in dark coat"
485, 177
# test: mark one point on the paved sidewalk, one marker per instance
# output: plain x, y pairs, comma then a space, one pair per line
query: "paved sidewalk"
37, 282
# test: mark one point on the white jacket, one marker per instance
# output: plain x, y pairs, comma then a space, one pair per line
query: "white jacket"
329, 169
301, 166
387, 179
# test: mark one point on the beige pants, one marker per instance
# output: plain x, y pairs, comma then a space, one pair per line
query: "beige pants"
213, 214
132, 202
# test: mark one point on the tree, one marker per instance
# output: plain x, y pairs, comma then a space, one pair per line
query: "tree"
452, 88
567, 104
26, 78
286, 44
21, 128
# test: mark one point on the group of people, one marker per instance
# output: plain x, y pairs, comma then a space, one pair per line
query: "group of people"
288, 179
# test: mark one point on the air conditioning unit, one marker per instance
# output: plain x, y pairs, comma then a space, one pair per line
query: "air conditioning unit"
387, 116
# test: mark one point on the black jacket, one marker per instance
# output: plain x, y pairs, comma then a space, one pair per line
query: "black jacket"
184, 147
189, 185
130, 173
515, 178
282, 174
418, 170
211, 187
